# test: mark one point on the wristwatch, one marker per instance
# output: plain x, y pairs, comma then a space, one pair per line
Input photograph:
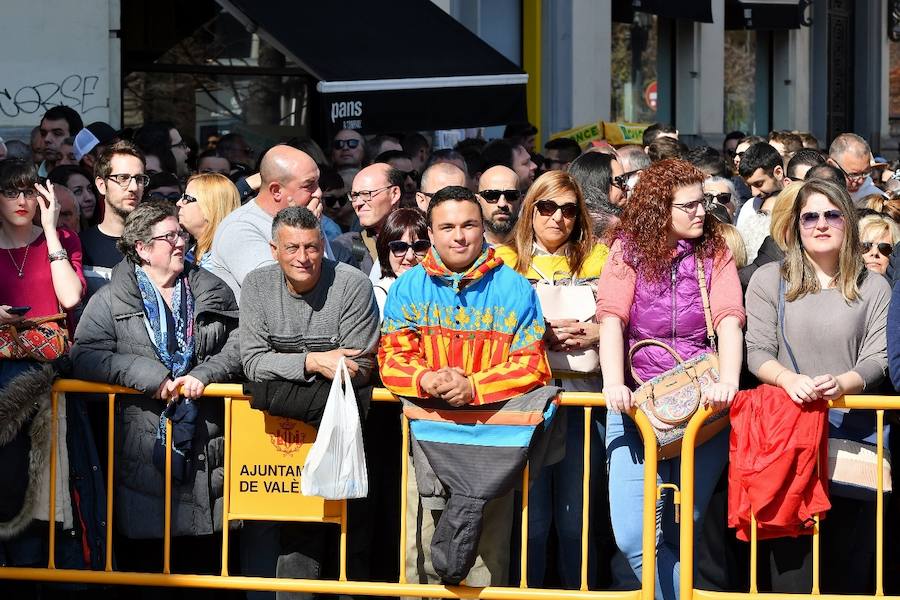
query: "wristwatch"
58, 255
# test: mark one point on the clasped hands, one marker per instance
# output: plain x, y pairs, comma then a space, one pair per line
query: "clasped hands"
449, 384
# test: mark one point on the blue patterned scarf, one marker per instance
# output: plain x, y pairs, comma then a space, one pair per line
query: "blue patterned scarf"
182, 414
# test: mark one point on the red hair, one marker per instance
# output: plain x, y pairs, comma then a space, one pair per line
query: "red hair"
647, 218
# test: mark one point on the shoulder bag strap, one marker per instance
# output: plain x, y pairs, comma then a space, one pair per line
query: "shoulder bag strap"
781, 302
704, 295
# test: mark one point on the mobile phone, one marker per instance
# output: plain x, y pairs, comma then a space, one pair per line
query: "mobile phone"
18, 310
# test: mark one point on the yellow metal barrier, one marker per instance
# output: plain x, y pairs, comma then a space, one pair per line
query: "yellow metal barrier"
688, 592
233, 395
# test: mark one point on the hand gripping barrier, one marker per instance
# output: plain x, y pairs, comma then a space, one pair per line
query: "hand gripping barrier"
236, 402
688, 592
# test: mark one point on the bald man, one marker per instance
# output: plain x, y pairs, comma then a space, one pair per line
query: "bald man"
69, 214
288, 177
500, 198
438, 176
375, 192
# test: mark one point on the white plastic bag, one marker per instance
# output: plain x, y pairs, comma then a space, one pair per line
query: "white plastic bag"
335, 467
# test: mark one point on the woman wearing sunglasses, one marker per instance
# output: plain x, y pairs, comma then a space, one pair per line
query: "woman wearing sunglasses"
167, 329
553, 242
650, 289
402, 243
816, 328
207, 200
878, 234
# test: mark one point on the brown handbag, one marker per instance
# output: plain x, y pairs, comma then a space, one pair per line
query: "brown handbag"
670, 399
42, 339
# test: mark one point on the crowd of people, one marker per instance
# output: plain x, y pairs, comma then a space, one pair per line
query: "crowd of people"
475, 283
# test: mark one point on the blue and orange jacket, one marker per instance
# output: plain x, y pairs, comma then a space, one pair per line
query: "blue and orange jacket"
486, 321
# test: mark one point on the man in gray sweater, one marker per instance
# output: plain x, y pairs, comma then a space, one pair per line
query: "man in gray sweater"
298, 318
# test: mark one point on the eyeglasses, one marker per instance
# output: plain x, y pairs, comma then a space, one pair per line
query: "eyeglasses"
180, 144
721, 198
186, 199
367, 195
621, 181
341, 144
691, 207
833, 218
493, 196
124, 179
334, 201
548, 208
853, 176
13, 193
419, 247
884, 249
172, 237
171, 196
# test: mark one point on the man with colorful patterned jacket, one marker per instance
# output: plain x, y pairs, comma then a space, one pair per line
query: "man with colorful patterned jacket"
462, 346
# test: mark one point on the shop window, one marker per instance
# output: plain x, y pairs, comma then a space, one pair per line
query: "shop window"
740, 81
634, 58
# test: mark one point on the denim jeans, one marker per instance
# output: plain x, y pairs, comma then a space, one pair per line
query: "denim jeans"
556, 496
625, 452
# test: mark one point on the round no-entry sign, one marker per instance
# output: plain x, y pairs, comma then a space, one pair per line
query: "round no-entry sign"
650, 95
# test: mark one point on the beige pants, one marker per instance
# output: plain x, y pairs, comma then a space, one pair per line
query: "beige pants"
492, 563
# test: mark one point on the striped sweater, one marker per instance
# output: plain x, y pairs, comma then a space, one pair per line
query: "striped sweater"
486, 321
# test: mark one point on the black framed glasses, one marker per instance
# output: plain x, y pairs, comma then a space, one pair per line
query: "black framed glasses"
172, 237
124, 179
853, 176
493, 196
341, 144
621, 181
721, 198
186, 199
367, 195
884, 248
179, 144
13, 193
548, 208
170, 197
335, 201
419, 247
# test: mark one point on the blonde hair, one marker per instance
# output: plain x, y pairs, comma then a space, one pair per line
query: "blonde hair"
550, 185
783, 211
876, 226
217, 196
735, 243
797, 269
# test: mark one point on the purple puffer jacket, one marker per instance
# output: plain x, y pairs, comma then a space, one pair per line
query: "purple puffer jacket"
670, 311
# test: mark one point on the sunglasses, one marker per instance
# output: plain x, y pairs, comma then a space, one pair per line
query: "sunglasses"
883, 248
171, 197
341, 144
721, 198
414, 175
333, 201
493, 196
186, 199
833, 218
398, 247
621, 181
548, 208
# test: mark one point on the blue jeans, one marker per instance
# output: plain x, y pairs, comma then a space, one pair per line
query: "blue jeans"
625, 452
556, 496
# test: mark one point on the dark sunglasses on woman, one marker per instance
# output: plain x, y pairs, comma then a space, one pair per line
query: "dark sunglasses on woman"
884, 249
398, 247
548, 208
333, 201
341, 144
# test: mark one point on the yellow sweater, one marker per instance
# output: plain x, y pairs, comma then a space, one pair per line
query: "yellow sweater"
556, 265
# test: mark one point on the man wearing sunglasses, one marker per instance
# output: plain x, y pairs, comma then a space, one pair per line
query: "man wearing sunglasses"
436, 177
347, 149
500, 201
852, 155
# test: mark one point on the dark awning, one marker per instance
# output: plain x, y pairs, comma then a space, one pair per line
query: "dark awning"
690, 10
762, 14
399, 66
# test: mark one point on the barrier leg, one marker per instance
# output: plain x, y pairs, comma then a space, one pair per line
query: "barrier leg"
523, 558
110, 458
585, 498
342, 575
404, 475
51, 511
879, 505
226, 496
167, 521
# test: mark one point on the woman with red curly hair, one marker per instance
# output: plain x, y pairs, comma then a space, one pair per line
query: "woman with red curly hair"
649, 289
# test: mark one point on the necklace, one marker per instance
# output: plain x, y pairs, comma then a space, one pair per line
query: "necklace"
19, 270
